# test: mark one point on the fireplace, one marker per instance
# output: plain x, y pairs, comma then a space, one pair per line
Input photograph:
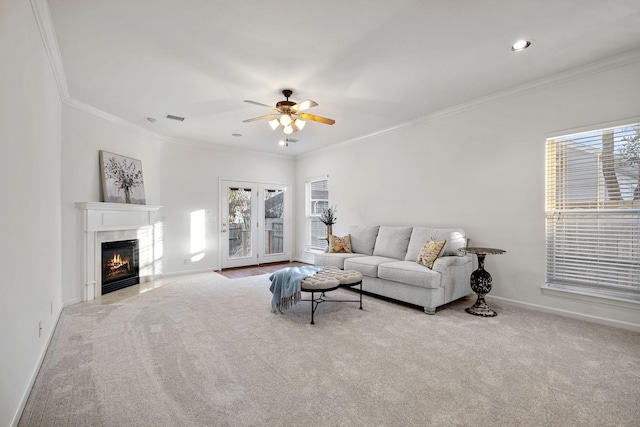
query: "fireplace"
119, 265
110, 222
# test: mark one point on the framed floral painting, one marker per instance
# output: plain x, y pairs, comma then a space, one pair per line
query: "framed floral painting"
121, 178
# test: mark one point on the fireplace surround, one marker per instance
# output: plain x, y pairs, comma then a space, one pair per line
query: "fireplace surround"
109, 222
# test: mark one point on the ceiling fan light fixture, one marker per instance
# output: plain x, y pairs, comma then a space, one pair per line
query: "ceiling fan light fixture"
304, 105
285, 120
289, 114
281, 142
274, 124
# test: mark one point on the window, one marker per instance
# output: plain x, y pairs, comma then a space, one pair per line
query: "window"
593, 212
317, 192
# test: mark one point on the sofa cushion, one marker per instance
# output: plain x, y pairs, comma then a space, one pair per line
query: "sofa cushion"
339, 244
430, 252
392, 242
335, 260
411, 273
367, 265
363, 237
455, 238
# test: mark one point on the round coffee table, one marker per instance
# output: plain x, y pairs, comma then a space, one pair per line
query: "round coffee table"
326, 280
481, 282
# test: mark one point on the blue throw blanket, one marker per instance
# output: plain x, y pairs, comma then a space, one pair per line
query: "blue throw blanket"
285, 285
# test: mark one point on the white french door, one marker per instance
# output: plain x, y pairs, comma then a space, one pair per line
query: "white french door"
255, 223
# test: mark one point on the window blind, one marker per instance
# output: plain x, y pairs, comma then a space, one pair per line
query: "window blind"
317, 202
593, 211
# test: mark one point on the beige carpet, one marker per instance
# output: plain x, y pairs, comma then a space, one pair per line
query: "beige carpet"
206, 351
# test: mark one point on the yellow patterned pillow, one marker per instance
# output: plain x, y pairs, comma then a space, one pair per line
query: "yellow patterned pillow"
340, 244
430, 252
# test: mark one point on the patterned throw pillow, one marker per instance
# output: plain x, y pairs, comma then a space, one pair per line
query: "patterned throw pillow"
430, 252
340, 244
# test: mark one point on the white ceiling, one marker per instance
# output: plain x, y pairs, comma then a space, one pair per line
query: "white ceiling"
369, 64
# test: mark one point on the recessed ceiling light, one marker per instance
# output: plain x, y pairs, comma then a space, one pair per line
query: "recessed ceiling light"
520, 45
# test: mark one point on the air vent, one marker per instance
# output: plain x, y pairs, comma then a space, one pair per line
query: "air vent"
170, 117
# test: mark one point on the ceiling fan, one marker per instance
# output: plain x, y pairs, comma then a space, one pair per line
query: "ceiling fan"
289, 114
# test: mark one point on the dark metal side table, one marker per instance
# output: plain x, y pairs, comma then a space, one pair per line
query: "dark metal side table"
481, 282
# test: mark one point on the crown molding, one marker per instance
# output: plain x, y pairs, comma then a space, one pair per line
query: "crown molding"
165, 138
79, 105
43, 19
47, 33
45, 26
554, 80
42, 16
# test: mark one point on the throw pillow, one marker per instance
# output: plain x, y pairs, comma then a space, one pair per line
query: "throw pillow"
339, 244
430, 252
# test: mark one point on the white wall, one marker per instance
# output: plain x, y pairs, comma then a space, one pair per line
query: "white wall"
83, 136
181, 177
30, 147
190, 182
481, 168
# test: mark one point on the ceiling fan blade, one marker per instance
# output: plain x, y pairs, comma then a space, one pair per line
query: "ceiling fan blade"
304, 105
268, 116
324, 120
260, 104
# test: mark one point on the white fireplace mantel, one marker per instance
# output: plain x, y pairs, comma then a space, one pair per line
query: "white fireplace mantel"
103, 217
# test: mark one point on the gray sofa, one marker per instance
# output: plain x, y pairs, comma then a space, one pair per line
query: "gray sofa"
386, 257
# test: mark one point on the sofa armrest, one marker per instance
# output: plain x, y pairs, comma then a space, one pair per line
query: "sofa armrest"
442, 264
456, 272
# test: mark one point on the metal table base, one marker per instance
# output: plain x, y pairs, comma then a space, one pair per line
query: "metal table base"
316, 301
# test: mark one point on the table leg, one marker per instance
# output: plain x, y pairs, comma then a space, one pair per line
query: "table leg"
481, 285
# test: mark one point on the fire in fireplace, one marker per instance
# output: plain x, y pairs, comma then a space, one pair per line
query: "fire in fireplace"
119, 265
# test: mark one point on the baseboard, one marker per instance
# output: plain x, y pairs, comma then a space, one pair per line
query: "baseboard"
67, 303
34, 375
566, 313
